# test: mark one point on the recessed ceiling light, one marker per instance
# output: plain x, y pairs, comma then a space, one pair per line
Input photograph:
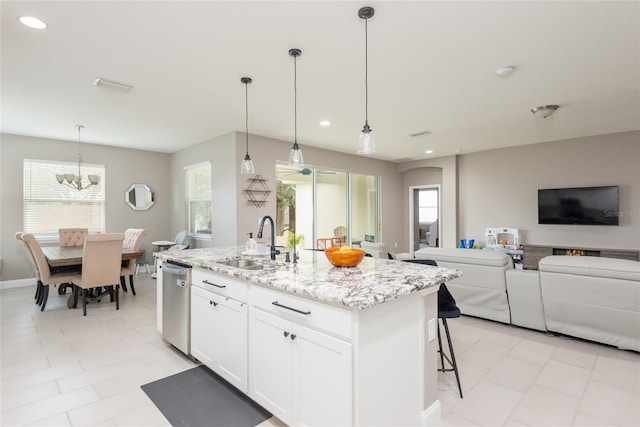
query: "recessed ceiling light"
505, 71
428, 152
325, 123
32, 22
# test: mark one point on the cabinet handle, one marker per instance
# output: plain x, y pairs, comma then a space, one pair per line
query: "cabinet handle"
215, 304
214, 284
306, 313
293, 337
285, 333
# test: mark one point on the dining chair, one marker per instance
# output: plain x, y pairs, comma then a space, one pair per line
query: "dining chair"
101, 263
39, 285
46, 276
72, 237
132, 241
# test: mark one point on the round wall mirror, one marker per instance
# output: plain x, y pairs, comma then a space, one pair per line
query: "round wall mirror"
139, 197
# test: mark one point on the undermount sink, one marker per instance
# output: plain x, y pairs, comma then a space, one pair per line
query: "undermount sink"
245, 264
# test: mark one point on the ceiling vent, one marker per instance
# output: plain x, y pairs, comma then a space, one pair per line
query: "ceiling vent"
109, 84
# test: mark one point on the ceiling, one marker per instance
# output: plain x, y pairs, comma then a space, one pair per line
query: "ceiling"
432, 67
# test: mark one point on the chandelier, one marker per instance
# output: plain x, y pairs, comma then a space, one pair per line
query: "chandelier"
75, 181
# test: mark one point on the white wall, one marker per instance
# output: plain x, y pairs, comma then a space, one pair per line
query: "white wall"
499, 188
123, 167
425, 172
265, 152
221, 152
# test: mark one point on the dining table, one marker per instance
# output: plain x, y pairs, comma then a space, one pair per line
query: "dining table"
61, 256
65, 256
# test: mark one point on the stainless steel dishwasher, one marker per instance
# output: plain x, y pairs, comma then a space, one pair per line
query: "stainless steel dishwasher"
176, 305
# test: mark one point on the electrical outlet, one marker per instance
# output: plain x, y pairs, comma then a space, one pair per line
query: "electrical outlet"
432, 329
396, 244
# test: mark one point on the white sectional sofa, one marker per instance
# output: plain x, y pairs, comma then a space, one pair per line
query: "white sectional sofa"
482, 291
592, 298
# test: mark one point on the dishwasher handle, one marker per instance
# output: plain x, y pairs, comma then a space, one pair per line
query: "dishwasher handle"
175, 268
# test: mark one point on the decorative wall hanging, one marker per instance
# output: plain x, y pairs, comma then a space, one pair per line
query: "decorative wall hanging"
257, 191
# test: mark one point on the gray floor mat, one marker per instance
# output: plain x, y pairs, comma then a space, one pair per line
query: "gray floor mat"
198, 397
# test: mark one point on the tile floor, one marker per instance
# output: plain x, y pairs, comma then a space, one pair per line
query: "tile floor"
58, 368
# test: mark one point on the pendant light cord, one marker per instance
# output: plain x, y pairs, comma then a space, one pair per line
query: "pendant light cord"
366, 73
246, 116
295, 100
79, 150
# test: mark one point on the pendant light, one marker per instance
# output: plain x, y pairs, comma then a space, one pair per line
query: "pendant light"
366, 144
75, 181
295, 155
247, 163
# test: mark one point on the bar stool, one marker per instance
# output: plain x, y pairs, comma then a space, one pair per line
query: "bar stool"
447, 309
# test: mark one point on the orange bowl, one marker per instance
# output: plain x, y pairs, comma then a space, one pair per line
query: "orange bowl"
345, 258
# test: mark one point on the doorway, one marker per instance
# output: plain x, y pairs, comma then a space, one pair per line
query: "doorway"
424, 215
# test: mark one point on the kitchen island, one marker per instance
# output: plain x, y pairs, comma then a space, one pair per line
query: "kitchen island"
316, 344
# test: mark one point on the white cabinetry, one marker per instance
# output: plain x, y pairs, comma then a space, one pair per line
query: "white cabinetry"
219, 326
303, 376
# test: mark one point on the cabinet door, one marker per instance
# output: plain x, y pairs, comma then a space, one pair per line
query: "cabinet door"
203, 323
322, 372
270, 358
230, 336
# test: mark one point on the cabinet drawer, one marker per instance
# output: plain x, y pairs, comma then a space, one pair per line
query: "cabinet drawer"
220, 284
303, 311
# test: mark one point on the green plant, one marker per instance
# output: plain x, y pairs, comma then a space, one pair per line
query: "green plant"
291, 242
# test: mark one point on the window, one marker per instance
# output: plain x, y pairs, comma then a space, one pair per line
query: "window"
198, 179
428, 205
320, 203
49, 205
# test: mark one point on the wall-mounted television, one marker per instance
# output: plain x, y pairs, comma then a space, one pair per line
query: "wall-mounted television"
578, 206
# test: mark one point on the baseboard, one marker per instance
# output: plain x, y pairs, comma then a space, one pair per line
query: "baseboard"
18, 283
432, 416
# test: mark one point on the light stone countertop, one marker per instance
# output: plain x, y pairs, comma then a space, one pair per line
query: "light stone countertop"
374, 281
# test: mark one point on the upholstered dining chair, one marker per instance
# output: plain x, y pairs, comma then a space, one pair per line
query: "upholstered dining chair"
101, 263
39, 286
132, 241
70, 237
47, 278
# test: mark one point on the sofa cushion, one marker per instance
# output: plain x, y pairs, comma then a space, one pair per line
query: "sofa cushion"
591, 266
376, 250
465, 256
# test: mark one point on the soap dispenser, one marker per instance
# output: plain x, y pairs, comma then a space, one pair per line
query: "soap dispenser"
252, 245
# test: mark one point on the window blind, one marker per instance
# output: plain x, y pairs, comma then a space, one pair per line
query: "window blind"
198, 195
49, 205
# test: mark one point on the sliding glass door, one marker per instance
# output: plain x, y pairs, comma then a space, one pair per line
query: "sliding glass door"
364, 208
329, 207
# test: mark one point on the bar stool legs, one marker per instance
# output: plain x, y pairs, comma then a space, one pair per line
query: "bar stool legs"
443, 356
